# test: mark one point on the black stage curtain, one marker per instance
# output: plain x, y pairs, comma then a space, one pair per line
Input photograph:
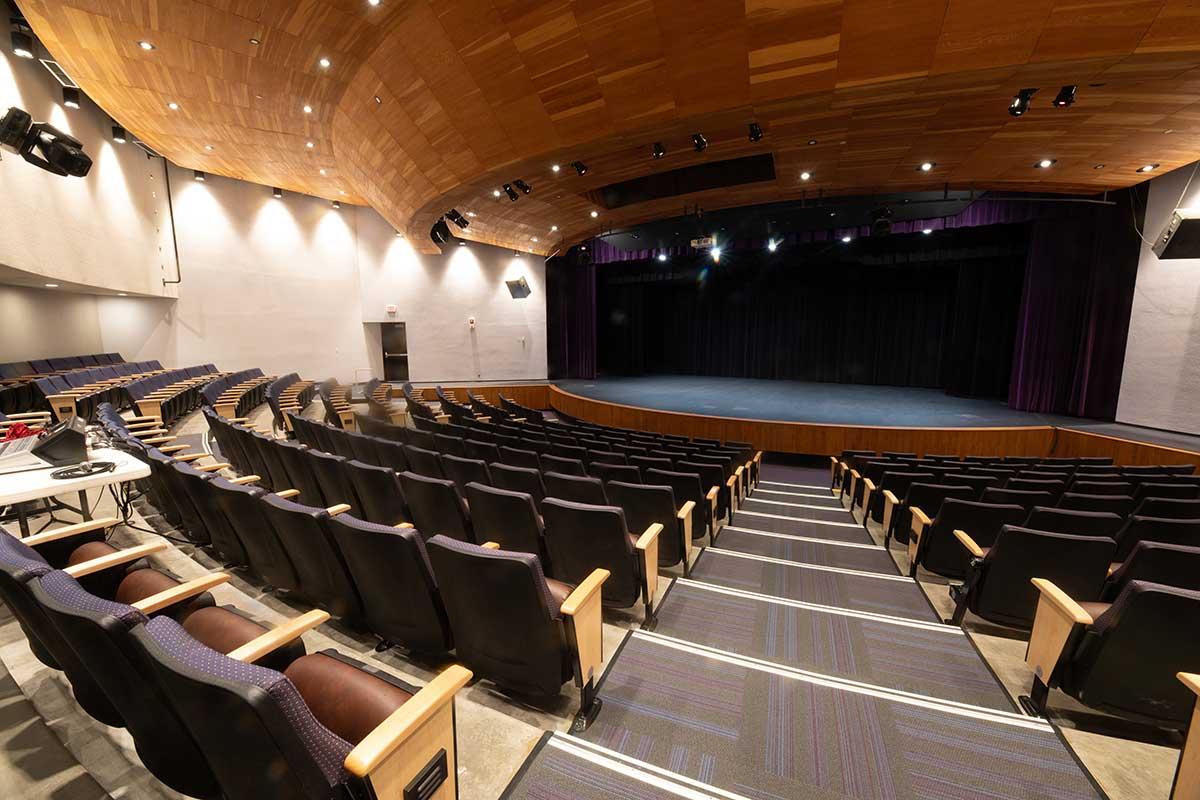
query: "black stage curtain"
890, 310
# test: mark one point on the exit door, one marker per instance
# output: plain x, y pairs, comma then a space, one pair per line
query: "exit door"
395, 352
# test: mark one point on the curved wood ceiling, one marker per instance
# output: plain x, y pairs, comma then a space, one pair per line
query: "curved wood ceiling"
429, 105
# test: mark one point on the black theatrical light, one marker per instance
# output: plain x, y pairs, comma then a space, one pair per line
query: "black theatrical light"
440, 232
337, 205
523, 186
119, 134
457, 218
658, 151
197, 175
511, 192
56, 151
756, 132
580, 167
1065, 96
699, 142
22, 44
71, 97
277, 193
1020, 103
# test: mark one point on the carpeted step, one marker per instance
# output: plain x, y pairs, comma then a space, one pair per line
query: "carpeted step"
815, 497
846, 531
865, 557
797, 510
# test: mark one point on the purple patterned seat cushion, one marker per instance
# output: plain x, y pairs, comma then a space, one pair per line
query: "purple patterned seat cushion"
66, 590
328, 750
20, 560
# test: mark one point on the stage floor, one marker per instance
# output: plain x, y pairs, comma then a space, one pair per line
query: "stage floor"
841, 404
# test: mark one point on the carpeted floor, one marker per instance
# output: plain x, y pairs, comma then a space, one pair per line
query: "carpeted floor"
865, 557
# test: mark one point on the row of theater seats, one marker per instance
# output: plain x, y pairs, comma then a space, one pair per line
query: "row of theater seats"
235, 394
288, 393
1125, 584
428, 594
16, 389
218, 705
80, 391
171, 394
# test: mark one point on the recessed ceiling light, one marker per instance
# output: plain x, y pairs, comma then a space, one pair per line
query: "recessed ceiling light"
470, 213
555, 168
255, 42
322, 170
208, 147
595, 214
198, 175
146, 45
22, 44
173, 105
51, 285
1148, 168
277, 193
845, 240
337, 205
1045, 163
926, 166
374, 2
533, 238
399, 235
343, 192
812, 142
461, 243
553, 228
118, 134
1097, 166
805, 175
662, 256
325, 63
927, 231
307, 109
309, 145
495, 192
772, 245
378, 100
122, 294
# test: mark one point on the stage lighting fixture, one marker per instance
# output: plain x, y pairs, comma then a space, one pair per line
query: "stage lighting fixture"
1020, 102
511, 192
772, 245
22, 44
119, 134
1148, 168
1065, 96
197, 175
553, 228
580, 167
927, 166
555, 168
662, 256
699, 142
147, 46
1045, 163
173, 105
756, 132
927, 231
56, 151
71, 97
325, 63
307, 109
457, 218
716, 253
806, 175
658, 151
440, 232
523, 186
496, 193
462, 243
845, 240
595, 214
337, 205
277, 193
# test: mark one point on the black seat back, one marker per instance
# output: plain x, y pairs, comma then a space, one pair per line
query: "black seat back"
1087, 486
508, 518
436, 507
1178, 491
1053, 487
465, 470
685, 486
380, 498
300, 474
563, 466
581, 537
616, 472
424, 462
323, 575
1168, 508
645, 505
1151, 529
575, 489
1154, 562
481, 451
940, 551
335, 488
519, 479
1026, 500
1121, 505
243, 509
389, 454
1076, 523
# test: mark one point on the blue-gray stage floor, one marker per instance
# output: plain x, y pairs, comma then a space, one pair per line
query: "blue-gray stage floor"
841, 404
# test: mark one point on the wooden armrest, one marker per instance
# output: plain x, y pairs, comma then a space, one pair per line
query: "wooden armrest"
190, 457
647, 543
175, 448
1187, 776
119, 558
442, 418
288, 494
392, 755
29, 415
242, 481
215, 467
890, 501
278, 636
404, 525
917, 526
340, 508
143, 419
177, 594
491, 545
969, 544
483, 419
582, 613
240, 419
517, 419
70, 530
1057, 615
148, 432
160, 440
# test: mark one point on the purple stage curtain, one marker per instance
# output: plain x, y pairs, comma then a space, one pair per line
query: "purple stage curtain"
571, 318
1080, 272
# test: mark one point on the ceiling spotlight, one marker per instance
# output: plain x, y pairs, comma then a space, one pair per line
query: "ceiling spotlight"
337, 204
772, 245
374, 2
325, 63
471, 214
322, 170
495, 192
523, 186
580, 167
716, 253
555, 168
845, 240
22, 44
662, 256
1045, 163
147, 46
307, 108
1148, 168
255, 42
197, 175
927, 166
51, 285
595, 214
811, 142
699, 142
457, 218
119, 134
309, 145
122, 294
399, 235
805, 175
173, 105
462, 243
1098, 166
511, 192
533, 238
658, 151
1065, 97
208, 147
927, 231
756, 132
277, 193
553, 228
440, 232
1020, 102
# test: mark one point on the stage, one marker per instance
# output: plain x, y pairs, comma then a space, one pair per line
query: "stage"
842, 405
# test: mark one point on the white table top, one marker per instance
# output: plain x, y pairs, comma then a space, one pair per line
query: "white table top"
20, 487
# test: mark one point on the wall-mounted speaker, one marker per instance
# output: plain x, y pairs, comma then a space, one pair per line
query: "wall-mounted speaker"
519, 288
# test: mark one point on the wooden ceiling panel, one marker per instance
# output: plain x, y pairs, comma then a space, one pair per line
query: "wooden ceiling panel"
478, 93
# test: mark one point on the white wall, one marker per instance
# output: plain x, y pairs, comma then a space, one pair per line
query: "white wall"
108, 229
43, 323
1160, 387
436, 295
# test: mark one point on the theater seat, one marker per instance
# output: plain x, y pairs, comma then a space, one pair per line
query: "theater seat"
1076, 523
1148, 529
509, 519
327, 727
1122, 659
645, 505
578, 490
687, 486
940, 552
436, 507
1153, 562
